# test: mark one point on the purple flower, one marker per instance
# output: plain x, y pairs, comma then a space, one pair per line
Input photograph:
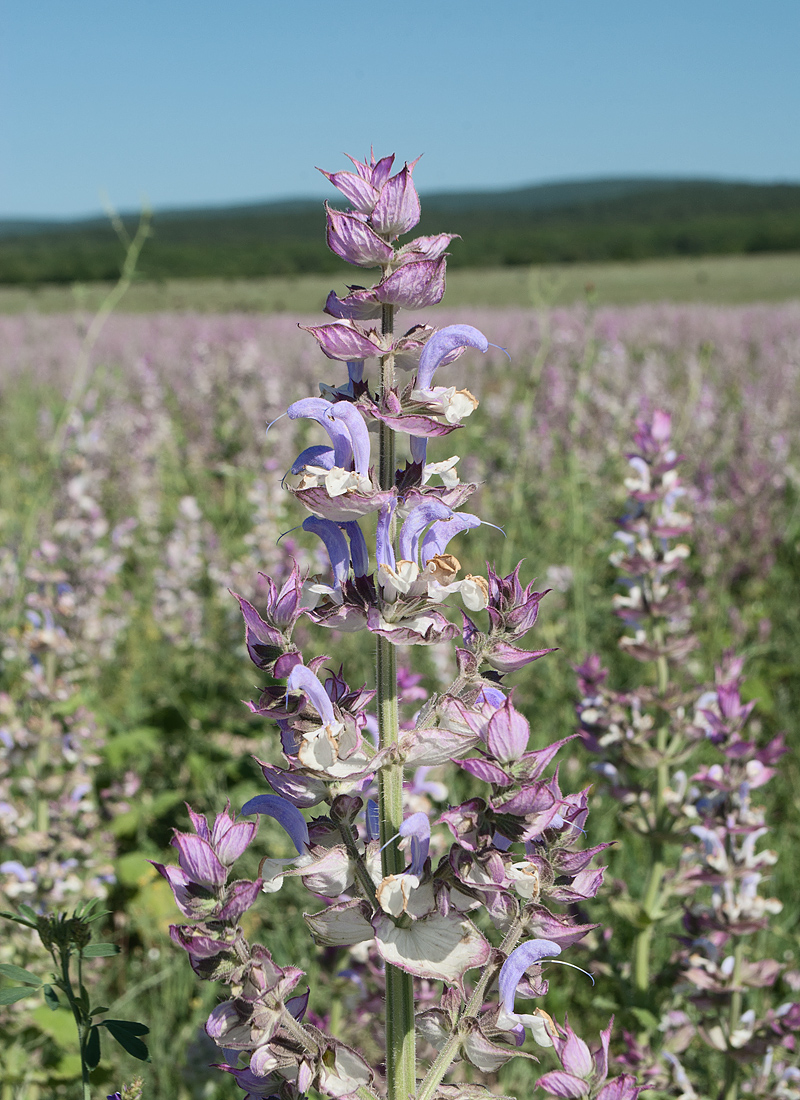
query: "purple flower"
522, 958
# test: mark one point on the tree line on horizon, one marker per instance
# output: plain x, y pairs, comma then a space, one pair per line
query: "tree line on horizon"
601, 221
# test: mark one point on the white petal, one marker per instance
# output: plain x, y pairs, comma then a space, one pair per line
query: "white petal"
436, 947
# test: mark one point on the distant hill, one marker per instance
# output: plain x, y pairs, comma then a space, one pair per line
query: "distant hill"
574, 221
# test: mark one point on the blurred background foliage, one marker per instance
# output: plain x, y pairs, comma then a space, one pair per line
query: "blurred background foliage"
119, 551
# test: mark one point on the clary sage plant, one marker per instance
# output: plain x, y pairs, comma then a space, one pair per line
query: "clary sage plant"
452, 917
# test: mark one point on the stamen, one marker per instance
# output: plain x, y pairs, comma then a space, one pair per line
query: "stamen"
491, 345
574, 967
275, 421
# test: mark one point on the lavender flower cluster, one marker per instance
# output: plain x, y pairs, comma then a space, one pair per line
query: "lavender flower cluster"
478, 911
699, 820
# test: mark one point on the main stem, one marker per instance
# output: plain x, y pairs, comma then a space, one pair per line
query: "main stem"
401, 1060
66, 985
652, 901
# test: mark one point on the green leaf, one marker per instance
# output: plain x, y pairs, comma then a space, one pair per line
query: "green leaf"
51, 998
128, 1025
100, 950
97, 916
121, 1030
18, 974
18, 920
97, 1011
8, 996
91, 1050
31, 914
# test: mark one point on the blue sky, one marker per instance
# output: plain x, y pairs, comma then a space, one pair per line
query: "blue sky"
205, 102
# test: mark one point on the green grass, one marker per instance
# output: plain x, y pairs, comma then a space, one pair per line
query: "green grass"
728, 280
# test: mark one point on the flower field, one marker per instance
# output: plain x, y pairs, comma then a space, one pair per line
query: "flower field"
138, 489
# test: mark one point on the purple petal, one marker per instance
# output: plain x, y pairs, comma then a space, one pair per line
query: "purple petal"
342, 340
317, 408
286, 606
415, 524
241, 896
441, 344
233, 841
352, 419
414, 286
520, 960
197, 944
198, 860
535, 762
179, 883
356, 189
436, 540
318, 455
425, 248
379, 173
302, 791
359, 555
559, 929
383, 543
287, 815
359, 305
373, 820
199, 823
303, 679
564, 1085
507, 734
574, 1055
414, 424
485, 770
508, 658
433, 630
335, 544
353, 240
419, 450
257, 631
418, 827
621, 1088
296, 1006
397, 210
351, 505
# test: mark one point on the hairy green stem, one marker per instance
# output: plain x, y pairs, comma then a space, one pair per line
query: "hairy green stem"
77, 1013
653, 897
362, 872
730, 1090
401, 1060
